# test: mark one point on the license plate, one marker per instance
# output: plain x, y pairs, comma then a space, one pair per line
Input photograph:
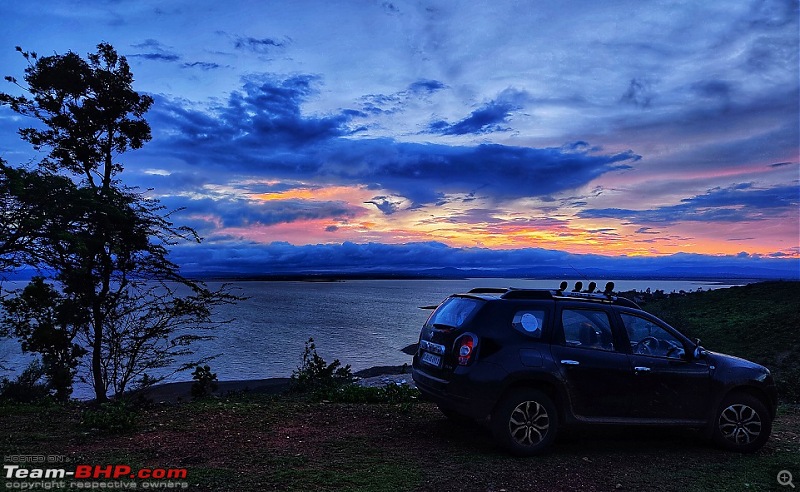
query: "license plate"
431, 359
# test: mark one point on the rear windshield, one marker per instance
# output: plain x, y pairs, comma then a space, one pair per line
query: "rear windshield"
454, 311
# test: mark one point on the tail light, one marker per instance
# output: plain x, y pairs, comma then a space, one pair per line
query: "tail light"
465, 348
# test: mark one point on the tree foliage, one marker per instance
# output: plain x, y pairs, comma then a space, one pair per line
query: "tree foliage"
30, 208
47, 323
106, 245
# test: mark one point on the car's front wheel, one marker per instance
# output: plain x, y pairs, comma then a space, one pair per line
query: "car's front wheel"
525, 422
742, 423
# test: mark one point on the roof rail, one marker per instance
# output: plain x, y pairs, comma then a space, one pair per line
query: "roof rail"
487, 290
527, 294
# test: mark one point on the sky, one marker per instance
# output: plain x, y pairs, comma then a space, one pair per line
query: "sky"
366, 135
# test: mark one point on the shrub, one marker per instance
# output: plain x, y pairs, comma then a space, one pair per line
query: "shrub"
116, 417
401, 396
316, 374
28, 387
205, 382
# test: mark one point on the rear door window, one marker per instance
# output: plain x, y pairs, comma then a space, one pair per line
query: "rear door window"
587, 328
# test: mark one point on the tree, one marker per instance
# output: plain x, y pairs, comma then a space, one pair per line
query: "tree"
29, 206
46, 323
107, 244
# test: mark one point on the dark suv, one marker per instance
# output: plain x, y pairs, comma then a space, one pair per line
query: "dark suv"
529, 361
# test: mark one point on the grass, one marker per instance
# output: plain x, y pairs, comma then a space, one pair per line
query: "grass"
256, 442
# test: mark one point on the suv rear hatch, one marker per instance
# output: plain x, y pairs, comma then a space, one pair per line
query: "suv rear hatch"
437, 354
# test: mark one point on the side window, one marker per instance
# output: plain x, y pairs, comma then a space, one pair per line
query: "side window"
647, 338
529, 322
587, 328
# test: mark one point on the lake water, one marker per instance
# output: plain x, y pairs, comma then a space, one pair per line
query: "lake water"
363, 323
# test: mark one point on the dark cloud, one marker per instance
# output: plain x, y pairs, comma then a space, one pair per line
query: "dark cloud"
398, 101
417, 257
718, 89
491, 117
155, 51
769, 53
390, 7
168, 57
743, 132
422, 172
770, 14
737, 203
426, 87
385, 205
256, 45
263, 117
381, 104
639, 93
229, 212
202, 65
262, 131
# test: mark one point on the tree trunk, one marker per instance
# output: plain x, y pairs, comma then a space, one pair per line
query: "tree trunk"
97, 360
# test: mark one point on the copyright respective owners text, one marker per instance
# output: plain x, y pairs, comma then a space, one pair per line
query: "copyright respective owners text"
54, 472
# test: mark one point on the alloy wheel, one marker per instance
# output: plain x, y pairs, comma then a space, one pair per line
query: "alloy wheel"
529, 423
740, 424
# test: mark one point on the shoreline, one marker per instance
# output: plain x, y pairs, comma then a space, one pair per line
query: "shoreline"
181, 391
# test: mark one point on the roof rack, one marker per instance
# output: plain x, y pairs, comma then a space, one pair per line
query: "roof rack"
590, 294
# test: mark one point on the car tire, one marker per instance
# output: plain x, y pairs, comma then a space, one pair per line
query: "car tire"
525, 422
742, 423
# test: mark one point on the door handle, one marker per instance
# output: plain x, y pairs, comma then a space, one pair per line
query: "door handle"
569, 362
642, 369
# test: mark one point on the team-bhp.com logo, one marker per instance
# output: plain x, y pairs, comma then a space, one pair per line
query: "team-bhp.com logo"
116, 476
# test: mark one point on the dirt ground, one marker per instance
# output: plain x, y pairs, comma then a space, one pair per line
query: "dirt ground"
278, 443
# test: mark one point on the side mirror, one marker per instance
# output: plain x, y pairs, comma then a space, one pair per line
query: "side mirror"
698, 352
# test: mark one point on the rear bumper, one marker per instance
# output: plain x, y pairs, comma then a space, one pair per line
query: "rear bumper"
466, 392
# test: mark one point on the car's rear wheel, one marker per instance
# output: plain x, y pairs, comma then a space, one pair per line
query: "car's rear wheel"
525, 422
742, 423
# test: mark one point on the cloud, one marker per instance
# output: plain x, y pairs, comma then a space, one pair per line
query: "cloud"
639, 93
156, 51
261, 130
202, 65
390, 8
737, 203
426, 86
281, 258
265, 115
488, 118
718, 89
385, 205
377, 104
256, 45
226, 212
